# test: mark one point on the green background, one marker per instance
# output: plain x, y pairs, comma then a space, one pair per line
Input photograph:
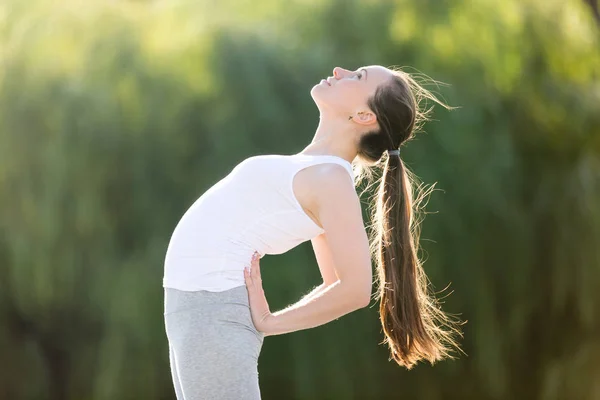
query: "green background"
116, 115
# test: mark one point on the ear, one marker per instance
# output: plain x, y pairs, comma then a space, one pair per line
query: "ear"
366, 117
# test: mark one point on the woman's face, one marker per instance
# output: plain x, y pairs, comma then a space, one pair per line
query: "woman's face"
348, 91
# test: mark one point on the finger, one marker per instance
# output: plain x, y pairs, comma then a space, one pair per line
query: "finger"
255, 271
254, 263
255, 258
248, 277
257, 266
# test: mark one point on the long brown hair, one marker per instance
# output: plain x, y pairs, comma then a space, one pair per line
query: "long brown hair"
413, 323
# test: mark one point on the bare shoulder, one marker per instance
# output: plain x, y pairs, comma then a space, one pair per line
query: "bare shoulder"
335, 198
313, 183
309, 181
333, 184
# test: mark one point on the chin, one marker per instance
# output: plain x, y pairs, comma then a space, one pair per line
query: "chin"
315, 93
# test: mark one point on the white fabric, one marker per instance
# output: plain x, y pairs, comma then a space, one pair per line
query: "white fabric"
251, 209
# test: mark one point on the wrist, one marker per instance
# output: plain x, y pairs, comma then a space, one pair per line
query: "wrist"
268, 324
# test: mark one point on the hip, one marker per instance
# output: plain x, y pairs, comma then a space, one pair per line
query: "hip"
214, 316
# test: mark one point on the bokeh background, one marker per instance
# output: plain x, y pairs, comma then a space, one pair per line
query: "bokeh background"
116, 115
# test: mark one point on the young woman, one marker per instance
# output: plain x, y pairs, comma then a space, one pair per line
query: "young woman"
216, 313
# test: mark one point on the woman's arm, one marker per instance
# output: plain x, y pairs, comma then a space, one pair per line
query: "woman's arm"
326, 268
328, 304
345, 250
310, 295
324, 259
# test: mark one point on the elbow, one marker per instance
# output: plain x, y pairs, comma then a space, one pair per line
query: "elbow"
365, 300
363, 294
361, 297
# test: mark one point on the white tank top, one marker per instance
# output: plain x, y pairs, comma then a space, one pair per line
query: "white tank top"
251, 209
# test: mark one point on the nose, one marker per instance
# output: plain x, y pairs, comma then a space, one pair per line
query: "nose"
338, 72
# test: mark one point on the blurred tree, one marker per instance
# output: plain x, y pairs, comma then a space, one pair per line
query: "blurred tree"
595, 9
114, 117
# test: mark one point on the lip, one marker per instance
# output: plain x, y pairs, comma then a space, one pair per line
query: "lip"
324, 80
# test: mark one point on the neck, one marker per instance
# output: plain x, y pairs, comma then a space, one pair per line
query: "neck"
333, 137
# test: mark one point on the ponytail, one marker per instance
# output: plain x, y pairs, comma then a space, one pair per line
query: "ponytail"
413, 323
411, 319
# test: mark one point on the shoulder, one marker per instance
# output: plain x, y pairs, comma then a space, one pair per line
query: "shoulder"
328, 179
332, 177
327, 171
326, 190
334, 190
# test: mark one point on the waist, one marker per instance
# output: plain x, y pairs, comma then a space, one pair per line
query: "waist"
198, 273
180, 300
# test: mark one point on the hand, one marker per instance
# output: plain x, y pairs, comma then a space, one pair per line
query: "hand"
259, 308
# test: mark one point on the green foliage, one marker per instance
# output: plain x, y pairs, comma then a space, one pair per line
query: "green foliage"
115, 116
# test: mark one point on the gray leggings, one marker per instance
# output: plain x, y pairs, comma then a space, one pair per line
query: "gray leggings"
213, 344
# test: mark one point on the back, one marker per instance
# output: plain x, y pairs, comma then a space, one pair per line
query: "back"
253, 208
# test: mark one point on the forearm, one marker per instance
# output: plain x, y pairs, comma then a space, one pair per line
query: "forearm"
330, 303
309, 296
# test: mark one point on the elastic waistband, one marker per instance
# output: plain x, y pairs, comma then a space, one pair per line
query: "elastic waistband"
176, 300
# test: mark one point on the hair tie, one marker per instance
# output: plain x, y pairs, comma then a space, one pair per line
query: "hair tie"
394, 151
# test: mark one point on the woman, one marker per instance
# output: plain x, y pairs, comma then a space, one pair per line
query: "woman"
216, 313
